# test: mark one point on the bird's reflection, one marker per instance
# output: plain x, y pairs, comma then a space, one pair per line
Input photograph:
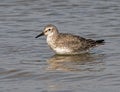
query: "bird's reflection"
81, 62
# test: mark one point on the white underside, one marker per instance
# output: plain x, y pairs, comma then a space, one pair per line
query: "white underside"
67, 51
62, 50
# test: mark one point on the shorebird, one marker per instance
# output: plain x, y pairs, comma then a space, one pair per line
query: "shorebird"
65, 43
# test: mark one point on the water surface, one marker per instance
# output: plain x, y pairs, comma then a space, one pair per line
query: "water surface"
28, 65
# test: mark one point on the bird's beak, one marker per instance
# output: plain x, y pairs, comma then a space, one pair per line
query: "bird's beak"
40, 35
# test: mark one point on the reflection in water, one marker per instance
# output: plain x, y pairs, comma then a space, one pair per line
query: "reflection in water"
82, 62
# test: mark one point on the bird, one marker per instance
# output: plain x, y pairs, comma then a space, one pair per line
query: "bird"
67, 43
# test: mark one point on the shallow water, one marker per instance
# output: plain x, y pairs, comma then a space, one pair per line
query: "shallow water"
28, 65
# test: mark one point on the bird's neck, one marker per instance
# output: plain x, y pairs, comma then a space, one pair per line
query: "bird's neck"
51, 39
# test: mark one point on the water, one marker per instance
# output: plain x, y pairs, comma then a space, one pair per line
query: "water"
28, 65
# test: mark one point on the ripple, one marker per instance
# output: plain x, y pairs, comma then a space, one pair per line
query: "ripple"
28, 64
83, 62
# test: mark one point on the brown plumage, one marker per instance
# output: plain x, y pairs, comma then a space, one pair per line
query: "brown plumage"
76, 42
63, 43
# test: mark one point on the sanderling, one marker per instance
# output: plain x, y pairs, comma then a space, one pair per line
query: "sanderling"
64, 43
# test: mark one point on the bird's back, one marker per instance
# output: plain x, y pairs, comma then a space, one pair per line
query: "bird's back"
75, 43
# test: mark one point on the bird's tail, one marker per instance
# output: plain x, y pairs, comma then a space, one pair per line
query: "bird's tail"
100, 41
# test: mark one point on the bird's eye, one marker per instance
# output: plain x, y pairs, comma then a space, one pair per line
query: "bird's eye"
49, 29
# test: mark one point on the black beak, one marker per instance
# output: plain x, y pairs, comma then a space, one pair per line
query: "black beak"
39, 35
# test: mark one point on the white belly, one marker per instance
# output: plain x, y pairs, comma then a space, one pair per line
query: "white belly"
58, 50
62, 50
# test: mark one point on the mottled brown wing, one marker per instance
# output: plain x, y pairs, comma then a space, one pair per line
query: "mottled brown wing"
74, 42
